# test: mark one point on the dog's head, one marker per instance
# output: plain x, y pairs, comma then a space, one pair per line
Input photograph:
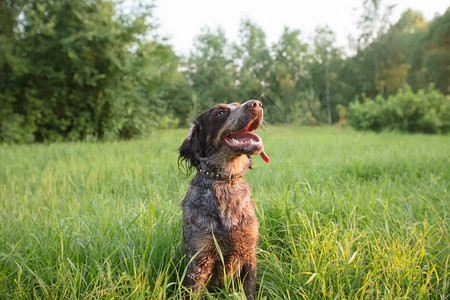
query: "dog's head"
226, 129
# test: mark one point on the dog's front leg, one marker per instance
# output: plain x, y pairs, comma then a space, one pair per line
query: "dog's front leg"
248, 274
198, 273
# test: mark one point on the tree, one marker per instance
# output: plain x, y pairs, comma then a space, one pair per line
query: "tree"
72, 70
289, 69
252, 62
325, 53
436, 58
210, 71
373, 22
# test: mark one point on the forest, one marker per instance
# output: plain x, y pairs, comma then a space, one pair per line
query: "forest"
88, 70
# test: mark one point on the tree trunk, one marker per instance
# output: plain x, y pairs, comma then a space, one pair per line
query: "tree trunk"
327, 91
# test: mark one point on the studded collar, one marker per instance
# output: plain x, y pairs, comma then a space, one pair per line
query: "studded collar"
218, 175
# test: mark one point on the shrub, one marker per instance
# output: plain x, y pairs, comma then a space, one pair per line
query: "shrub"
424, 111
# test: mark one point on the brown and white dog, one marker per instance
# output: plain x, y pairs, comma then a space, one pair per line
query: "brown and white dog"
218, 205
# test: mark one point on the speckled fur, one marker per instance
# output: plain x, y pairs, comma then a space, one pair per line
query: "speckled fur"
223, 210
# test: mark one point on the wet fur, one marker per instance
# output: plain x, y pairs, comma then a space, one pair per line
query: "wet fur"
223, 209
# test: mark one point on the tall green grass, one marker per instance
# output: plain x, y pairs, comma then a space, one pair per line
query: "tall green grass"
343, 215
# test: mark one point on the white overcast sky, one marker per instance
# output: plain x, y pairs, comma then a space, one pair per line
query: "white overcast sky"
181, 20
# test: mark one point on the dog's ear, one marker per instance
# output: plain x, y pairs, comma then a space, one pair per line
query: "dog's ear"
191, 148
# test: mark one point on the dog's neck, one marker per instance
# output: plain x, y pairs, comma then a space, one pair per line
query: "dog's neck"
218, 167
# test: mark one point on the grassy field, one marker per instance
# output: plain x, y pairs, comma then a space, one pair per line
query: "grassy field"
343, 215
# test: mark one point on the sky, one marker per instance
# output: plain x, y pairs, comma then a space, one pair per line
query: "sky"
182, 20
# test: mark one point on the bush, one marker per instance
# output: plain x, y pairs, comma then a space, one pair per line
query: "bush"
425, 111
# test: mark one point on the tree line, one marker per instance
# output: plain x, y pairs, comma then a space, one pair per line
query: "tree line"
76, 70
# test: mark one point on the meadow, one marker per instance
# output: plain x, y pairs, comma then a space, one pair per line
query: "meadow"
343, 215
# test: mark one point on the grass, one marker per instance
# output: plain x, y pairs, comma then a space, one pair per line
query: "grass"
343, 215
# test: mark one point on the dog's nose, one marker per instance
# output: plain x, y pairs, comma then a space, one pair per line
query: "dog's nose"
254, 104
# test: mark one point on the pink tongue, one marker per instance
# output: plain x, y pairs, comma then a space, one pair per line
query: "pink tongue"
264, 156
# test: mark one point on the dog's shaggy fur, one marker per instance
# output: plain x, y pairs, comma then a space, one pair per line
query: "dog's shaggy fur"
218, 205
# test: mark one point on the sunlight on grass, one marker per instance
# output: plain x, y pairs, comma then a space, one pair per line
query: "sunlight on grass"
342, 215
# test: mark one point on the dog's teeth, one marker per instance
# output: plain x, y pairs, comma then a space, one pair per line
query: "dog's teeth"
243, 142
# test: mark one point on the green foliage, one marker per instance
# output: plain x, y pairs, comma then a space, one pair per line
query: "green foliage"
410, 52
342, 215
74, 69
425, 111
323, 70
437, 52
288, 73
210, 71
252, 62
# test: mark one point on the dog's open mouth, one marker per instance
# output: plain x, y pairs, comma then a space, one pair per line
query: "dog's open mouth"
246, 141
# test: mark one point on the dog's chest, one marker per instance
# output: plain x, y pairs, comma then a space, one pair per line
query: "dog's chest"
234, 204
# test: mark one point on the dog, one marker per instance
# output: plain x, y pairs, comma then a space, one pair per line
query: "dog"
218, 210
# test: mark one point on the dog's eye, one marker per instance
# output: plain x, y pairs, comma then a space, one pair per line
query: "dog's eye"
222, 112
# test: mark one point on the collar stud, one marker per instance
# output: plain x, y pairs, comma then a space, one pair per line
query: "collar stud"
219, 176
